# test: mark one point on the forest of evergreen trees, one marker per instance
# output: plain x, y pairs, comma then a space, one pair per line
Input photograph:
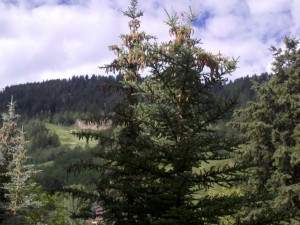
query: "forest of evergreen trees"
185, 147
63, 101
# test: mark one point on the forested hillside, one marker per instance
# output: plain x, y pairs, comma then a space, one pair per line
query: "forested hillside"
63, 101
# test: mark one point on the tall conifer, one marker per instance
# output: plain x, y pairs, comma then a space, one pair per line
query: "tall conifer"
178, 120
118, 162
271, 126
158, 164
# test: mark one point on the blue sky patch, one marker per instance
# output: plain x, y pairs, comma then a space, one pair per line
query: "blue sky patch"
202, 19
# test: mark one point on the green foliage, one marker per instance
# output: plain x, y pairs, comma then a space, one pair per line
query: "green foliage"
8, 145
38, 136
19, 188
152, 165
178, 135
22, 201
56, 209
16, 185
132, 11
62, 101
65, 136
241, 88
271, 126
169, 159
54, 175
49, 154
115, 187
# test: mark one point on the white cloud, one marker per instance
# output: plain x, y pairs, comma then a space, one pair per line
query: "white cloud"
268, 6
55, 39
295, 12
45, 39
246, 29
217, 7
224, 27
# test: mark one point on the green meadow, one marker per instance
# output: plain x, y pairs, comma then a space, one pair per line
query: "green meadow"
67, 138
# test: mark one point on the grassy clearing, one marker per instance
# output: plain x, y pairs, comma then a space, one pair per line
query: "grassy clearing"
67, 138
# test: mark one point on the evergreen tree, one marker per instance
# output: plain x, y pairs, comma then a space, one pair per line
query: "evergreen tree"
116, 189
271, 126
15, 174
181, 144
8, 145
158, 164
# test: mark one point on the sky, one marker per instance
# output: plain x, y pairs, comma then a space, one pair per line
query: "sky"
50, 39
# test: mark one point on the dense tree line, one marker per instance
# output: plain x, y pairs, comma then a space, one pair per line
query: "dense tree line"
241, 88
62, 101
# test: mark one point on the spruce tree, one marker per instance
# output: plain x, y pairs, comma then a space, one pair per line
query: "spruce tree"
158, 164
8, 145
16, 186
184, 153
271, 126
117, 158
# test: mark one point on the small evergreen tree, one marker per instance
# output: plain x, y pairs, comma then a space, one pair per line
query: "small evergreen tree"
8, 145
16, 186
271, 126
